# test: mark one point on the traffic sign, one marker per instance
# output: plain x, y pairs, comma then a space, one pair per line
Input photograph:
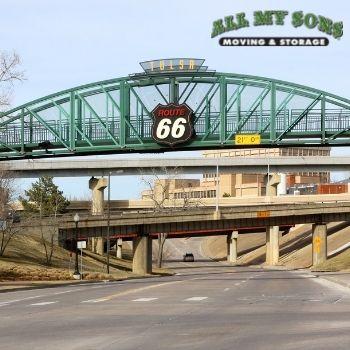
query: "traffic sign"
247, 139
81, 244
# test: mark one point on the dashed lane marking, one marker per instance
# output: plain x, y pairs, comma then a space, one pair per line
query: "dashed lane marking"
44, 303
132, 291
66, 291
226, 289
3, 303
92, 301
145, 299
196, 299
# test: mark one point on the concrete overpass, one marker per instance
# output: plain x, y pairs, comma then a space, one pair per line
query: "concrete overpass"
123, 205
140, 226
102, 167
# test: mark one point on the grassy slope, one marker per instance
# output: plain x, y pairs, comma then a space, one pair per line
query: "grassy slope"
215, 247
295, 247
24, 259
336, 263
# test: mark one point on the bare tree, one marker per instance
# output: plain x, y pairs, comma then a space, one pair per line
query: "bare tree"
165, 250
9, 74
8, 228
48, 236
158, 191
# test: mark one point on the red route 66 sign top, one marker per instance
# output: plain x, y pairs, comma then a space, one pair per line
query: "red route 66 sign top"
172, 123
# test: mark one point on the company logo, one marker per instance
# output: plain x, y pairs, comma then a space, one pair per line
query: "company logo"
277, 18
172, 124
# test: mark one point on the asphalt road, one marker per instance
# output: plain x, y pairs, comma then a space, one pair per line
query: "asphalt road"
205, 306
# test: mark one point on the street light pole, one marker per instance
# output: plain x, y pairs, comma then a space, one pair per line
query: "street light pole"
108, 219
76, 273
217, 186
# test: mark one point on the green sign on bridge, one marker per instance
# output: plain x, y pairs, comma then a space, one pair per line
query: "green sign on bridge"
219, 110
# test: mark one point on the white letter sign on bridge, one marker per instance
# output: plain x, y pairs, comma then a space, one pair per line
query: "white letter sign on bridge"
172, 124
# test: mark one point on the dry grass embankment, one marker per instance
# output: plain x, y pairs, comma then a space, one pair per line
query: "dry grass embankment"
24, 259
295, 248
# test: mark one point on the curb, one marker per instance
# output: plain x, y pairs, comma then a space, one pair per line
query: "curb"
44, 286
81, 283
335, 280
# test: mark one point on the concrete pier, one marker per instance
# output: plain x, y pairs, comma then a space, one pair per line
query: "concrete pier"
319, 243
97, 186
232, 247
272, 245
142, 259
271, 183
119, 246
99, 245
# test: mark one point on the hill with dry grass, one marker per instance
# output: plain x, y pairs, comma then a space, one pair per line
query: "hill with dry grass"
295, 247
24, 259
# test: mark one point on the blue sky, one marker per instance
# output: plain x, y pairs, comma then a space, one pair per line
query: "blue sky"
67, 43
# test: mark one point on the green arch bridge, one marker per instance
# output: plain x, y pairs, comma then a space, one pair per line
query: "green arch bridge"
115, 116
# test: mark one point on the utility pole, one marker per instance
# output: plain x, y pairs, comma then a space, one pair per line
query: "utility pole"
217, 186
76, 273
108, 219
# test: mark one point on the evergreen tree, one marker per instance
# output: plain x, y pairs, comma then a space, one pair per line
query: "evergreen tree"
44, 198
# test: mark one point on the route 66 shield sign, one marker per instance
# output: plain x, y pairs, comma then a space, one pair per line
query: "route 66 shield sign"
172, 124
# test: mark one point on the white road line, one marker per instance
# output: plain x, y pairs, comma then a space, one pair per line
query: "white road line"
226, 289
44, 303
66, 291
196, 299
93, 300
3, 303
237, 284
145, 299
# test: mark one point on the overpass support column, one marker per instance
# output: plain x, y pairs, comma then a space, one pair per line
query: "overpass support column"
232, 247
319, 243
99, 245
119, 248
282, 185
97, 186
272, 245
142, 259
93, 244
271, 183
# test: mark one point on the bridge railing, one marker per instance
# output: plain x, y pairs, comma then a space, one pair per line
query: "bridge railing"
115, 115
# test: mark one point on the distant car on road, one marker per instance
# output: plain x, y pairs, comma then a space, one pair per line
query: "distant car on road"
188, 257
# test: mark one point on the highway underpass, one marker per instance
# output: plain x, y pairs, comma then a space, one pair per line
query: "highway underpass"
142, 227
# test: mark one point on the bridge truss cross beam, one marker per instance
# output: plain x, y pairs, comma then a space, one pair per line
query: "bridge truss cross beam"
115, 116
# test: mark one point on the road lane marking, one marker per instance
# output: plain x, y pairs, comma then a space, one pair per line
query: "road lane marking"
44, 303
66, 291
94, 300
226, 289
145, 299
132, 291
196, 299
3, 303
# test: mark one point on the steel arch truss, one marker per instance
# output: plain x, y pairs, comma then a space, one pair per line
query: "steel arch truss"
114, 115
